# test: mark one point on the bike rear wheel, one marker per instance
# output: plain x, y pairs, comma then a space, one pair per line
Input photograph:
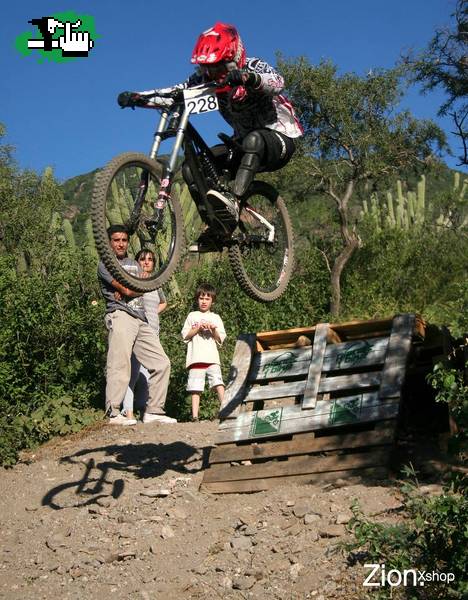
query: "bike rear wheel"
263, 258
125, 192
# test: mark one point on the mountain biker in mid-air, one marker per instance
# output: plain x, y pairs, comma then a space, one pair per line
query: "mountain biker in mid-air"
250, 100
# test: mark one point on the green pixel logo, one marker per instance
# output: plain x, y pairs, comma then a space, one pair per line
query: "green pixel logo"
59, 38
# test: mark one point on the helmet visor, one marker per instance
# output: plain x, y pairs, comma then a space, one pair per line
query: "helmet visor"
215, 72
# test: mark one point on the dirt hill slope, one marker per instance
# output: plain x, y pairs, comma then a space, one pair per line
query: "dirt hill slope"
116, 513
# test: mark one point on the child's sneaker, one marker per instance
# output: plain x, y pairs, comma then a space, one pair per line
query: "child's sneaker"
121, 420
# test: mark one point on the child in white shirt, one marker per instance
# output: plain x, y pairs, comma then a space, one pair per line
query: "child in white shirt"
203, 332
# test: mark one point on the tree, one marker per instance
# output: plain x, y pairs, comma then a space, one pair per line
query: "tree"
354, 136
444, 64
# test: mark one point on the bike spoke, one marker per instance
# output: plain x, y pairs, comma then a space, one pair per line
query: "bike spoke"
130, 200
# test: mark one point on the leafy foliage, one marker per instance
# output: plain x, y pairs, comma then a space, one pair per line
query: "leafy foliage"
355, 136
432, 538
444, 64
452, 388
420, 269
51, 340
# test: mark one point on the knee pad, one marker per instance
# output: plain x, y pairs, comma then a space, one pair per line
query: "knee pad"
253, 143
253, 146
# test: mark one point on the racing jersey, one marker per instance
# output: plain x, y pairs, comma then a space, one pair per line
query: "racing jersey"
248, 109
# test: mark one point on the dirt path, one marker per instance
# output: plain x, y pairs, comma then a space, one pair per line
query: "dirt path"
116, 513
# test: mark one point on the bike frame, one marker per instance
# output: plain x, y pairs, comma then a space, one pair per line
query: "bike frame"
174, 123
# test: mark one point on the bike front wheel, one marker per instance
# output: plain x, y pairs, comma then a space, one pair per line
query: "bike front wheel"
125, 192
262, 260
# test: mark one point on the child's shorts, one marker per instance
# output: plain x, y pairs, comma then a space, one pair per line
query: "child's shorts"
196, 378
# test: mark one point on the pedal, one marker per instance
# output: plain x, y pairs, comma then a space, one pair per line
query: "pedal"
207, 242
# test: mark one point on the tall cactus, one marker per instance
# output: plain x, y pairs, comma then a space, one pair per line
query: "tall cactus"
412, 210
68, 233
21, 263
55, 223
90, 246
407, 211
457, 215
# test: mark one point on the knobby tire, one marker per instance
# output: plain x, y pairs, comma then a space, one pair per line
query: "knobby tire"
246, 282
102, 186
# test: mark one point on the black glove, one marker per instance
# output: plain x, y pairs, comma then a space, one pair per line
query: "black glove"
238, 77
129, 99
177, 95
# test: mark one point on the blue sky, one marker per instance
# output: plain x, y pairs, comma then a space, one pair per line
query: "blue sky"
66, 115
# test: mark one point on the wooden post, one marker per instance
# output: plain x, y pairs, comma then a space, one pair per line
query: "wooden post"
398, 349
237, 383
315, 368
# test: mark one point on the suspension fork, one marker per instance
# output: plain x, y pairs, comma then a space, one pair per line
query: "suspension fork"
168, 172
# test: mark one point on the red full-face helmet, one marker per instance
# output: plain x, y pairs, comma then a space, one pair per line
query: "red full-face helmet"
220, 43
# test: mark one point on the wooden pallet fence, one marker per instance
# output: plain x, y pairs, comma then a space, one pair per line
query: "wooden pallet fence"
324, 408
301, 458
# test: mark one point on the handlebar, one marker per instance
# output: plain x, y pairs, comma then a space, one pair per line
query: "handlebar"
167, 99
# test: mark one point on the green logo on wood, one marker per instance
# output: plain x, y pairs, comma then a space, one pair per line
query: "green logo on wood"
266, 422
345, 410
282, 363
354, 354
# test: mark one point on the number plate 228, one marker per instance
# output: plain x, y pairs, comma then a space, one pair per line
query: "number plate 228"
200, 103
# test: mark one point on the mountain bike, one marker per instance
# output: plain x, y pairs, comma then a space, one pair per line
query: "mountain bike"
137, 190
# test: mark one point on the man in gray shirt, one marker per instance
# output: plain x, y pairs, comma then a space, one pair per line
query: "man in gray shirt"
130, 332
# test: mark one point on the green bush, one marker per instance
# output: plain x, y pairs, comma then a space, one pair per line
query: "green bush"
51, 351
432, 538
452, 389
419, 270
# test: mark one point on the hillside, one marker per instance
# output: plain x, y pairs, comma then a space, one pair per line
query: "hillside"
113, 513
310, 211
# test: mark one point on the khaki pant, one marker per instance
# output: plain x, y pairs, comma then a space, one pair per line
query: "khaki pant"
128, 334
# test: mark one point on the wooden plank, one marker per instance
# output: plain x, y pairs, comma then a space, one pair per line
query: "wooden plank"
349, 382
310, 421
298, 465
275, 390
315, 368
323, 407
237, 381
273, 364
351, 355
277, 364
345, 330
399, 346
261, 485
297, 388
304, 443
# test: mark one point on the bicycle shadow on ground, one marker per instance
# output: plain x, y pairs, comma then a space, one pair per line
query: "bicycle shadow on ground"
100, 478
